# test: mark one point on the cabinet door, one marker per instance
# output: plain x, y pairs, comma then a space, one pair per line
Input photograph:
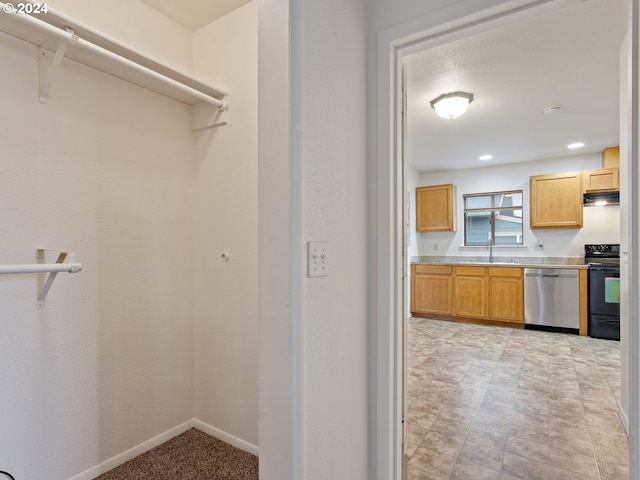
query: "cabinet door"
611, 157
470, 292
506, 294
556, 201
431, 289
435, 208
603, 180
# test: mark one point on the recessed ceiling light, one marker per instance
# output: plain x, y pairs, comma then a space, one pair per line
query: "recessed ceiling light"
485, 157
575, 145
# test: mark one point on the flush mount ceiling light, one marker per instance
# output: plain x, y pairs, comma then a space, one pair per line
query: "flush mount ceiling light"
575, 145
452, 105
484, 158
552, 110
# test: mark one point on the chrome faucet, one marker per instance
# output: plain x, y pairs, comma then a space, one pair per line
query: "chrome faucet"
490, 248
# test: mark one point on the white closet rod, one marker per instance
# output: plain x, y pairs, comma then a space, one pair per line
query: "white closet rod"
41, 268
73, 39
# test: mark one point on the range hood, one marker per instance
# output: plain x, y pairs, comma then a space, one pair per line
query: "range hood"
599, 199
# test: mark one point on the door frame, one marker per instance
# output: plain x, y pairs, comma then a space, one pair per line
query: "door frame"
443, 26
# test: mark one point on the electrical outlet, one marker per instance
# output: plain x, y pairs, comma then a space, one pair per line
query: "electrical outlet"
317, 259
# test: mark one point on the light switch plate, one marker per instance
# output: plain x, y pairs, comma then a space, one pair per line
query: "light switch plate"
317, 259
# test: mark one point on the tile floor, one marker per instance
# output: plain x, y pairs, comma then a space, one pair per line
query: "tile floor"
500, 403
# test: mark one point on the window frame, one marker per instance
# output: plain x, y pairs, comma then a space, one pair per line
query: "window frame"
492, 211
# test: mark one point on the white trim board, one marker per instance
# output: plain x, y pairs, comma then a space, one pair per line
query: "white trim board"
143, 447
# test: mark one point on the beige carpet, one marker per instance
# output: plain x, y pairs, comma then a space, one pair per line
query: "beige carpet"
193, 455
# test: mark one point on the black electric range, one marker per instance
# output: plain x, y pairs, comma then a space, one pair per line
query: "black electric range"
604, 290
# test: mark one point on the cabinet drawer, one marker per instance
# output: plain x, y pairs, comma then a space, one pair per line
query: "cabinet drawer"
433, 269
505, 271
470, 271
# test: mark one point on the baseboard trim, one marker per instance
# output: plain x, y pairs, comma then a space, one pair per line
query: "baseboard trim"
127, 455
624, 419
123, 457
225, 437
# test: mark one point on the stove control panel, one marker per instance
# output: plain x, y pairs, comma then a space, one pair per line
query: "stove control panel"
602, 250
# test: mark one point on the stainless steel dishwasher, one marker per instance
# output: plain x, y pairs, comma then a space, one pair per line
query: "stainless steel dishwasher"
552, 299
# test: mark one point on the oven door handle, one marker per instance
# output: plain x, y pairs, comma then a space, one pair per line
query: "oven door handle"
605, 269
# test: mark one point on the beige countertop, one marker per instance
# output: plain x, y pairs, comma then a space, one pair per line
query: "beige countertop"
503, 264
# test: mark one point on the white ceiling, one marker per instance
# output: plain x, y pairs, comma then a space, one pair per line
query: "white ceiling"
568, 58
194, 14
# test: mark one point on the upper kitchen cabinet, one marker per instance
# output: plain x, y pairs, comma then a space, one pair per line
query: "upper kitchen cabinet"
602, 180
606, 179
435, 211
611, 157
556, 200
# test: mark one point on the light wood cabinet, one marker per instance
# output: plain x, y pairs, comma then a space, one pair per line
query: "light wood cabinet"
470, 292
506, 294
556, 200
431, 289
611, 157
602, 180
484, 293
435, 208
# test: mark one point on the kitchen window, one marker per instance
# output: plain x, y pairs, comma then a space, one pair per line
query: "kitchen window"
496, 216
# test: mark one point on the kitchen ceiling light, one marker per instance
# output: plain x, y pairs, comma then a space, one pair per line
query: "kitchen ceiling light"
452, 105
485, 157
575, 145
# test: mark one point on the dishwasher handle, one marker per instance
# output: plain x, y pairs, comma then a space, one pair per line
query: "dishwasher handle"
551, 275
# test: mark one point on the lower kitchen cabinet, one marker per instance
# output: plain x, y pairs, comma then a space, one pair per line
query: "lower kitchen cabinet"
431, 289
506, 294
493, 294
470, 292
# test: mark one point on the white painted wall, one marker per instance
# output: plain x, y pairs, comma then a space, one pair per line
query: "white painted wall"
329, 119
105, 169
226, 210
312, 187
600, 225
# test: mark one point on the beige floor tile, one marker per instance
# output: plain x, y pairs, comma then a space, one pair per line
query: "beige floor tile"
443, 443
584, 465
509, 404
473, 453
521, 467
538, 452
429, 464
463, 471
610, 471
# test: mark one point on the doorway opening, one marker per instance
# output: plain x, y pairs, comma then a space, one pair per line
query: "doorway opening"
437, 35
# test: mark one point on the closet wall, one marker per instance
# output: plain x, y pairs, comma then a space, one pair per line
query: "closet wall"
226, 221
112, 172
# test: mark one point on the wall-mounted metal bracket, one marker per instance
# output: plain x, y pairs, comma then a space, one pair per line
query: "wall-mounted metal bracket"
51, 268
47, 69
205, 115
60, 266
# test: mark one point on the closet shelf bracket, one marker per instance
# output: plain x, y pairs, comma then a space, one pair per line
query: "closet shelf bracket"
51, 268
206, 115
48, 68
